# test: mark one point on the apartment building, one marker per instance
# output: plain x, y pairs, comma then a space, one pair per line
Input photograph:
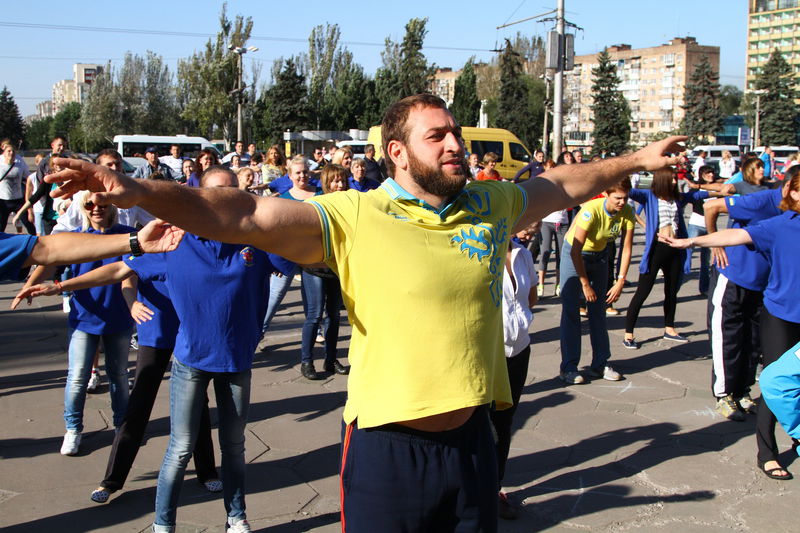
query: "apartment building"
443, 83
772, 25
653, 82
76, 89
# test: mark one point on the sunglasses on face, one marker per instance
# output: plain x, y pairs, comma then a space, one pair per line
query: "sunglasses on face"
91, 205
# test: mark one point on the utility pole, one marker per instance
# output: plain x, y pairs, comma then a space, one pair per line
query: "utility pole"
558, 83
546, 113
757, 132
239, 91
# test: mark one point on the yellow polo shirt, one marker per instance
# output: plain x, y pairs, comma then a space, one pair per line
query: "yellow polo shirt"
423, 290
600, 226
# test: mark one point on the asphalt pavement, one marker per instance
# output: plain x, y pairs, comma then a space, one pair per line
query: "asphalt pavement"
648, 453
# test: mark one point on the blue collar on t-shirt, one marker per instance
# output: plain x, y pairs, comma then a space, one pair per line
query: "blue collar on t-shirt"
396, 192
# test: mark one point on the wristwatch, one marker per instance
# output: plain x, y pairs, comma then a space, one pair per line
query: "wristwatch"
136, 249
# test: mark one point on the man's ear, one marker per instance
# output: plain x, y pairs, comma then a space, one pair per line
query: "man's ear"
397, 152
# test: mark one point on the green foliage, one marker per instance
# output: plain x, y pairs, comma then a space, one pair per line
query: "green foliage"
284, 106
67, 124
415, 74
513, 106
11, 125
206, 79
778, 109
349, 95
703, 118
730, 100
322, 49
387, 78
466, 106
612, 130
37, 134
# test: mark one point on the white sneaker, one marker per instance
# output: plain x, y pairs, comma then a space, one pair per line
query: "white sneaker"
72, 441
94, 381
608, 373
237, 526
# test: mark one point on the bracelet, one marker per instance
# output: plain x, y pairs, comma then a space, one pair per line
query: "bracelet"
58, 286
136, 249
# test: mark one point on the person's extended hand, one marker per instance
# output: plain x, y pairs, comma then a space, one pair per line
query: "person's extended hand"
674, 242
615, 291
719, 257
158, 236
29, 293
109, 187
654, 156
588, 293
141, 313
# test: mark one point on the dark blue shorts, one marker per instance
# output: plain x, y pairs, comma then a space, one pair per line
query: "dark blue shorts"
395, 479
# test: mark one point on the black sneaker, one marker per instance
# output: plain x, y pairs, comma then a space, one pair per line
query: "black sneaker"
336, 368
630, 344
309, 372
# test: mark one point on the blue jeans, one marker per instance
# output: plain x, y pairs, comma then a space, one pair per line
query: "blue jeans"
318, 294
596, 264
278, 287
82, 347
187, 395
705, 256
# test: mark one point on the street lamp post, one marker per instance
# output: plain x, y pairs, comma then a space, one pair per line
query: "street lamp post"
239, 91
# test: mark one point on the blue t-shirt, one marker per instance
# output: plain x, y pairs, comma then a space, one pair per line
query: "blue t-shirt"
767, 164
194, 180
161, 330
746, 267
780, 388
364, 185
100, 310
220, 293
14, 250
777, 239
284, 183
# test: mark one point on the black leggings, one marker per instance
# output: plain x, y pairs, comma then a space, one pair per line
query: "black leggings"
151, 364
777, 336
670, 261
502, 420
12, 206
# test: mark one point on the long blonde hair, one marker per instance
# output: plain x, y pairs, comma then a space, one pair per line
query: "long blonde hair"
81, 197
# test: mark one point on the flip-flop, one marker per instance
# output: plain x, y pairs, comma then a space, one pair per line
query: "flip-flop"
771, 472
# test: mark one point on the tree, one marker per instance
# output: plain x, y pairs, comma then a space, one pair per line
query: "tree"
703, 118
778, 110
349, 93
513, 112
415, 74
11, 124
730, 100
99, 120
322, 56
37, 134
66, 123
466, 106
159, 107
206, 79
387, 77
612, 129
284, 106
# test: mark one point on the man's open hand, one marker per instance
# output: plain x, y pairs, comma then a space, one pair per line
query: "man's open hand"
109, 187
656, 156
158, 236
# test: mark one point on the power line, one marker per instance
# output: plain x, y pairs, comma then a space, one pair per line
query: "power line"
30, 25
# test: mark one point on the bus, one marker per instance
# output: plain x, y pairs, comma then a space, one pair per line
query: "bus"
136, 145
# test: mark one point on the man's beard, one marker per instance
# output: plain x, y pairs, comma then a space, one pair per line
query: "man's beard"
434, 180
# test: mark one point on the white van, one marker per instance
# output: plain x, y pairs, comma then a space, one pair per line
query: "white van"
356, 146
136, 145
780, 153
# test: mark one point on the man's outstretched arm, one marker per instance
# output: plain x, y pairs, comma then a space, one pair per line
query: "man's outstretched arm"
285, 227
69, 248
569, 185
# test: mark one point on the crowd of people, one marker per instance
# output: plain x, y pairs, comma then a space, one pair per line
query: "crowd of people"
432, 411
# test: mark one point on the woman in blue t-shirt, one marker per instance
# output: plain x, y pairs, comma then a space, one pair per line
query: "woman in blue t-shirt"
96, 314
776, 238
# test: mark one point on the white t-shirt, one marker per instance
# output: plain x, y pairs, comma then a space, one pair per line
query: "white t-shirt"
557, 217
72, 218
517, 316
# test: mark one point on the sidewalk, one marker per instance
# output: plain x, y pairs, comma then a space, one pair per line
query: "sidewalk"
645, 454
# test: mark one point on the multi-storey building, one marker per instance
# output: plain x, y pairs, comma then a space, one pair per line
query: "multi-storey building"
443, 84
44, 109
76, 89
653, 82
772, 25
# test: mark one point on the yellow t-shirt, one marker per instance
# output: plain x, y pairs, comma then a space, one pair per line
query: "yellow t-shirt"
599, 225
423, 290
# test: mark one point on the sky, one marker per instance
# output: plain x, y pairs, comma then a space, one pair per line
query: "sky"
32, 59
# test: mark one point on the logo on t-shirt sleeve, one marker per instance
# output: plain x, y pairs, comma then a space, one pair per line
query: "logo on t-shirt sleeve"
587, 216
247, 255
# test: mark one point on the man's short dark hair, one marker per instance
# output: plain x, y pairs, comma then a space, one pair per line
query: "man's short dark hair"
108, 152
57, 137
216, 169
394, 126
369, 147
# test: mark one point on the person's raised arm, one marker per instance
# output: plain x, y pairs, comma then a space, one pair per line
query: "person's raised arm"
70, 248
285, 227
570, 185
726, 237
